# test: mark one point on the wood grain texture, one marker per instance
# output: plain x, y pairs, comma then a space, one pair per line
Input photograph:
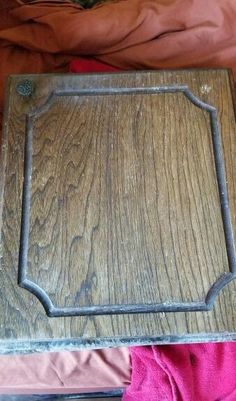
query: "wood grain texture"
131, 204
124, 209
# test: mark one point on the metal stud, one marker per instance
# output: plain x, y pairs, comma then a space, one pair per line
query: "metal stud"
25, 88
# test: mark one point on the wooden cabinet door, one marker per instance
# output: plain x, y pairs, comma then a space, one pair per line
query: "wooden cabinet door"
118, 209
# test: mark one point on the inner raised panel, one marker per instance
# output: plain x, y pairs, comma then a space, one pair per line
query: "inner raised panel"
124, 201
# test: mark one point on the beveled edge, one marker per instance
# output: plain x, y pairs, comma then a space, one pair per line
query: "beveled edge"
73, 344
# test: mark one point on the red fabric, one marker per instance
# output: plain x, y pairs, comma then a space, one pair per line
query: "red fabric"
90, 65
196, 372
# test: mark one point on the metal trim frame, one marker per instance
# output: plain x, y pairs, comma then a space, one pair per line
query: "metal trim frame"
72, 344
222, 281
61, 397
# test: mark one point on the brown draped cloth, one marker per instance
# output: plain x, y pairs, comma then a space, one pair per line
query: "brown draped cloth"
44, 35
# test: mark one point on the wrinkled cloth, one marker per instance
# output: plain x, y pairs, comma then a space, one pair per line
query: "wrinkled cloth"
44, 36
65, 372
194, 372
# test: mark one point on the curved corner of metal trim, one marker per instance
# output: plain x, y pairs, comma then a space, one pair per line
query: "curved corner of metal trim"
38, 111
216, 288
198, 102
40, 294
53, 311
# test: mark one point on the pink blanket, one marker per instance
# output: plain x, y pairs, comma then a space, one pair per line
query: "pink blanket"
65, 372
196, 372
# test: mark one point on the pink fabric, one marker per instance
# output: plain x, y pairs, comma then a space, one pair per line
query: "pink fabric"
196, 372
65, 372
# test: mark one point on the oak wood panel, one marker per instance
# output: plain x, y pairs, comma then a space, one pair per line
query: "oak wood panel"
194, 199
131, 205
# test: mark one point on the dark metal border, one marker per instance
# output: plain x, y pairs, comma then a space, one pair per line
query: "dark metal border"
222, 281
20, 347
61, 397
